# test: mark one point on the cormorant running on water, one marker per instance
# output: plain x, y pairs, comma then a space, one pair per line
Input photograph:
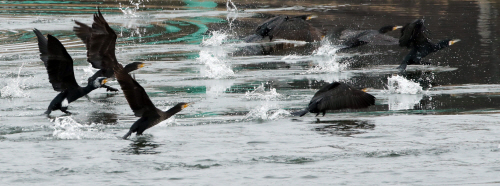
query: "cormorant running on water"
141, 104
354, 38
136, 96
336, 96
100, 44
415, 36
59, 66
286, 27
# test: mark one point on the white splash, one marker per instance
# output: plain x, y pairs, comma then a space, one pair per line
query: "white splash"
232, 14
399, 85
15, 87
214, 58
261, 94
131, 12
326, 57
404, 101
168, 122
216, 38
67, 128
265, 112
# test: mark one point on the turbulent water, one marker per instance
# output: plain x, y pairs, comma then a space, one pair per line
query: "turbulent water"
436, 124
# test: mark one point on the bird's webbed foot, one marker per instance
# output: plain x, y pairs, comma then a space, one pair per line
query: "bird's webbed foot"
110, 89
324, 112
317, 114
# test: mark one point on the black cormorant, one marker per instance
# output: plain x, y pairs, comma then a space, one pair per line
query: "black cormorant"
100, 41
136, 96
59, 66
415, 36
336, 96
354, 38
140, 103
286, 27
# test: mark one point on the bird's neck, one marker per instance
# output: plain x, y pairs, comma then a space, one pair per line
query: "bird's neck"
170, 112
89, 88
442, 44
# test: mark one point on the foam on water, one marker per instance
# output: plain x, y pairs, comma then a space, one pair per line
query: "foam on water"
131, 12
399, 85
404, 101
67, 128
214, 58
216, 38
261, 94
15, 87
327, 59
266, 112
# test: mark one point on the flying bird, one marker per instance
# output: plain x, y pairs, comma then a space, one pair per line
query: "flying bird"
415, 36
100, 41
59, 65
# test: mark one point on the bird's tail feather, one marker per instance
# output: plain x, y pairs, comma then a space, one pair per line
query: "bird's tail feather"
301, 113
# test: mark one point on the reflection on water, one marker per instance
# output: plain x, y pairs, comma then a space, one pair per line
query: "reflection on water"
143, 144
344, 128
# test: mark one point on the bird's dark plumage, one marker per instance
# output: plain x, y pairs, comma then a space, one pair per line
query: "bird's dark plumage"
140, 103
415, 36
59, 65
354, 38
336, 96
286, 27
100, 41
135, 94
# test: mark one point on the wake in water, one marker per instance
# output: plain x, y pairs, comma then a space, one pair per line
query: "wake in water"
67, 128
327, 59
214, 58
261, 94
15, 87
266, 112
399, 85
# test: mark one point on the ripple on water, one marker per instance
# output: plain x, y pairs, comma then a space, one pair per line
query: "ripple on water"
261, 94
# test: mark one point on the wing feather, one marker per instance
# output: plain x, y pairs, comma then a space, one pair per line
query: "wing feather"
59, 66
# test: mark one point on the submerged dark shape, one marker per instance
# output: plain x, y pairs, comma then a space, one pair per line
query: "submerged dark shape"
354, 38
59, 66
337, 96
415, 36
100, 41
286, 27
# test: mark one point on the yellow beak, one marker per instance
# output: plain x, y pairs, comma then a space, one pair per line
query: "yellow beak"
186, 105
396, 27
104, 81
311, 17
143, 65
454, 41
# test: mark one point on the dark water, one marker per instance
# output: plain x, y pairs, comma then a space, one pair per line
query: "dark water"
440, 126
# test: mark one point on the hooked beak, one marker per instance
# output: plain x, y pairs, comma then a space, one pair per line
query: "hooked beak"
396, 27
453, 41
365, 89
104, 81
143, 65
311, 17
186, 105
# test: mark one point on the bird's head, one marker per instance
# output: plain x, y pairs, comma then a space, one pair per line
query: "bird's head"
100, 81
389, 28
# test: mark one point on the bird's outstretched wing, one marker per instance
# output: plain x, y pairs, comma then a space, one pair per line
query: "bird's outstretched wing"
42, 46
59, 66
136, 95
414, 34
100, 41
341, 96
